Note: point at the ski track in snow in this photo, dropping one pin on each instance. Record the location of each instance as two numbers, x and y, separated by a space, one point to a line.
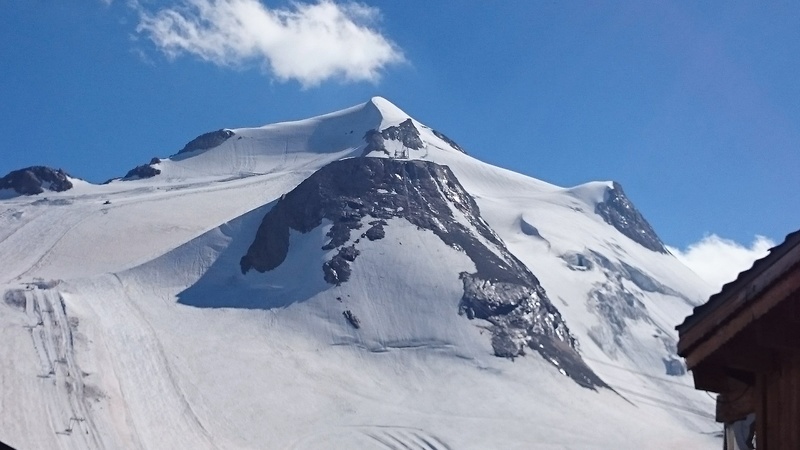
162 361
382 437
396 438
40 261
60 375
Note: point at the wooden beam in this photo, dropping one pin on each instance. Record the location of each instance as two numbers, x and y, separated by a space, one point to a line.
717 378
748 286
772 296
708 377
742 353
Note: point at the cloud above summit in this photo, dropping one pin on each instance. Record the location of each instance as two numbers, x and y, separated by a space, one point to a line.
306 42
718 260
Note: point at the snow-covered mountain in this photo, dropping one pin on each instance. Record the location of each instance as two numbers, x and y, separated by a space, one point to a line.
34 180
354 280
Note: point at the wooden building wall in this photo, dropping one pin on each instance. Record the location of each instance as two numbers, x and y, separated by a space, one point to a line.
778 406
744 344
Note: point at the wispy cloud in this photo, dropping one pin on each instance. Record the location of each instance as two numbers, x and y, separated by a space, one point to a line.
308 42
718 260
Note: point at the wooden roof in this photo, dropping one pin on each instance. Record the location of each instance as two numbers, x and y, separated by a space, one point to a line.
752 294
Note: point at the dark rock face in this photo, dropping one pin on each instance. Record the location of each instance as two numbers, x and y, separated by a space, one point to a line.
376 231
207 140
522 316
350 192
337 270
405 132
143 171
374 141
351 319
35 180
451 142
619 212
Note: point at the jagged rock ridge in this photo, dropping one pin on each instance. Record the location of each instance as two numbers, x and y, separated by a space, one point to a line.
357 192
143 171
207 140
620 213
405 133
451 142
35 180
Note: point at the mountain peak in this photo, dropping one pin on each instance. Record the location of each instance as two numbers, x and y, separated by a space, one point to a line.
388 110
618 211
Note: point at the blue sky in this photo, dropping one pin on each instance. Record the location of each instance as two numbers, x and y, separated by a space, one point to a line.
693 106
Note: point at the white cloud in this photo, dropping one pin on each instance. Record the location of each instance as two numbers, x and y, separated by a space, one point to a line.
309 43
718 260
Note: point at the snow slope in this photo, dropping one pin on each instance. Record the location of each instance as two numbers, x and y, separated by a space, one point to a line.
130 324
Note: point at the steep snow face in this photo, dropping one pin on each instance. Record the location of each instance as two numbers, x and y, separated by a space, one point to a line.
619 212
359 192
129 321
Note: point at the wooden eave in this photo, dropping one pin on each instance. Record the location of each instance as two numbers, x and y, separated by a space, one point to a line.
755 292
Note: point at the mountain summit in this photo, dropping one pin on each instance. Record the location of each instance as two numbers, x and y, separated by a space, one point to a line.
353 280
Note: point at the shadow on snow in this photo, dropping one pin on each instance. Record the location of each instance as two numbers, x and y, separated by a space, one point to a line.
223 285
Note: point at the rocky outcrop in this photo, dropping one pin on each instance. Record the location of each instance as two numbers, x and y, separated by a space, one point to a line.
35 180
374 140
143 171
619 212
405 133
207 141
351 319
359 193
449 141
